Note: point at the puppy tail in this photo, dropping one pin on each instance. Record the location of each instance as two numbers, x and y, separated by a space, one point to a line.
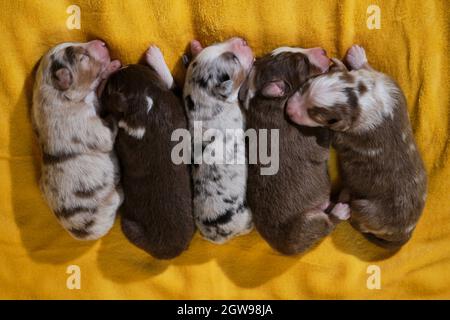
151 243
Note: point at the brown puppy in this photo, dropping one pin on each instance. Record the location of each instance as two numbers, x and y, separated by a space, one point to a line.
157 210
381 168
289 206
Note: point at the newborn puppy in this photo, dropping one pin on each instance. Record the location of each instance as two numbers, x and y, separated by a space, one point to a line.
289 206
157 210
79 171
211 98
382 171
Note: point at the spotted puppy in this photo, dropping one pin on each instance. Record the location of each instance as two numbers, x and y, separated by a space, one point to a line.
156 214
289 206
211 98
79 171
382 171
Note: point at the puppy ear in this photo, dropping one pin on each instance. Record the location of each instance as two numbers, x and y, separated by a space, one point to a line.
115 102
336 118
62 79
338 65
196 47
339 123
225 88
274 89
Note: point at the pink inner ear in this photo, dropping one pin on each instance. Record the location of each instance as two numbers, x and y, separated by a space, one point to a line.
64 78
196 47
274 89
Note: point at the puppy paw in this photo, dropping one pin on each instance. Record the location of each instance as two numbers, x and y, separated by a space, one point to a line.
154 56
155 59
341 211
356 57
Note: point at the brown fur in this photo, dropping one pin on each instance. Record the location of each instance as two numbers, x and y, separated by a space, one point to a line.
286 206
157 210
384 194
382 171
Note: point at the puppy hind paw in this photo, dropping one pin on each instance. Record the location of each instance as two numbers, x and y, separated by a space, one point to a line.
356 57
341 211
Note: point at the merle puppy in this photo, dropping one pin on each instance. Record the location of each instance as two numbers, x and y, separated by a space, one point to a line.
211 97
382 171
289 206
157 210
80 175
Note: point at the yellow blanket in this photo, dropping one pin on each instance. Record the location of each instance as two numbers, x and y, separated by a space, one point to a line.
412 45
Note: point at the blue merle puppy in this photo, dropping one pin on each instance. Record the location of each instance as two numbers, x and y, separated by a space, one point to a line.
213 80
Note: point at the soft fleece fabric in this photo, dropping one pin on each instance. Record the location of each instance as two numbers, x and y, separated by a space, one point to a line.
35 252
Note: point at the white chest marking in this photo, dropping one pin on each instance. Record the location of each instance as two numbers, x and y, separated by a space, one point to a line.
149 103
137 133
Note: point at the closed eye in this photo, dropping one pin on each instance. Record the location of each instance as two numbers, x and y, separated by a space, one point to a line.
332 121
84 55
224 77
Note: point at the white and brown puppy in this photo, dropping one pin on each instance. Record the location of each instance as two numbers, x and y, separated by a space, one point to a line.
79 170
291 209
156 214
211 98
382 171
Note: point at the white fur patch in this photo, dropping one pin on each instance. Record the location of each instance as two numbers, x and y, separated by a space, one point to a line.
90 98
287 49
418 179
328 91
404 135
411 147
149 103
410 228
370 152
155 58
137 133
424 197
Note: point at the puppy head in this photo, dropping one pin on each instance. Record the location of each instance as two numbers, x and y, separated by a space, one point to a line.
276 76
127 93
74 68
329 100
219 70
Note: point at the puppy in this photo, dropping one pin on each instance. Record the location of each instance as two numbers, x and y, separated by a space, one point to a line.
289 207
79 171
211 98
157 210
382 170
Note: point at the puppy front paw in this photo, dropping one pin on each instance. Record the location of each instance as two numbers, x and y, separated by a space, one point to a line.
341 211
356 57
154 56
